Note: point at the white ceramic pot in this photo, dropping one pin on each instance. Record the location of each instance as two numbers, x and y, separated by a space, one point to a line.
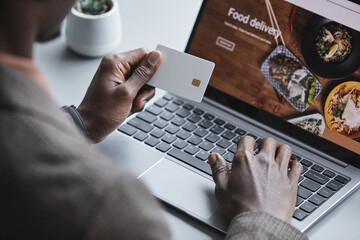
94 35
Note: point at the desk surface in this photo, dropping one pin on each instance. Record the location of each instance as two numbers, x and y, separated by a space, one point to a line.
145 24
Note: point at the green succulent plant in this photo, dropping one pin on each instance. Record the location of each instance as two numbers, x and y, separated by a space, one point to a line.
92 7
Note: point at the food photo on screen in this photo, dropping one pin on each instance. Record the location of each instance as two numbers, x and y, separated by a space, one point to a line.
288 61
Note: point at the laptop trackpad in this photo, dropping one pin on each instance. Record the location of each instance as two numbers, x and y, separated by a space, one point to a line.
182 188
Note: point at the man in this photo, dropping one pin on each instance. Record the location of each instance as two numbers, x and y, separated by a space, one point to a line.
56 186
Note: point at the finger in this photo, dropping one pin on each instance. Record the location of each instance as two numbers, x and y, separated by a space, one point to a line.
220 170
143 72
245 150
295 171
283 156
268 146
134 57
145 94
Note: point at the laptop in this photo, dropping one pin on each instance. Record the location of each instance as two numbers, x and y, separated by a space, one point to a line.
259 88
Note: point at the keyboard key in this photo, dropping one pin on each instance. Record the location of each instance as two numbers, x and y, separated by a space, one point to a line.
236 140
229 157
317 168
295 157
188 106
167 116
308 207
186 158
152 142
161 123
172 129
127 129
201 132
311 185
172 107
195 140
140 124
317 177
334 185
163 147
191 149
223 143
299 201
233 148
228 135
342 179
194 118
202 155
161 102
252 135
217 129
212 138
303 193
304 170
189 127
205 124
301 178
218 150
183 134
168 138
259 140
180 144
178 121
178 101
183 113
168 97
198 111
325 192
209 116
229 126
240 131
219 121
141 136
317 200
157 133
154 110
206 146
300 215
329 173
306 163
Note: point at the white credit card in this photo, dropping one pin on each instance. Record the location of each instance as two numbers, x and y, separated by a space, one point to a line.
182 74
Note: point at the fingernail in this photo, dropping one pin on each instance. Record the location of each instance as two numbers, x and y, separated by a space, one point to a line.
154 58
212 159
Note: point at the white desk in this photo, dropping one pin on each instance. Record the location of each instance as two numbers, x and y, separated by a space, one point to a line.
145 24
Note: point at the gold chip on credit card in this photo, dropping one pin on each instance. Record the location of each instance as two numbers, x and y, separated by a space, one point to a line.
196 82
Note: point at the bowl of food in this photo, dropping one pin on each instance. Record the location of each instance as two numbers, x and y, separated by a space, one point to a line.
313 123
342 109
330 49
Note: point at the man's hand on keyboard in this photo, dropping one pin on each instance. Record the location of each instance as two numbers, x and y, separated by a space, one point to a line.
257 183
117 89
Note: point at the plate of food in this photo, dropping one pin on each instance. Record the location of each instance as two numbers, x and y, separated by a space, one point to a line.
291 78
313 123
342 109
330 49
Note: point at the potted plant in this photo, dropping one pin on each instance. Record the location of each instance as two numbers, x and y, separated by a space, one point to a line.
93 27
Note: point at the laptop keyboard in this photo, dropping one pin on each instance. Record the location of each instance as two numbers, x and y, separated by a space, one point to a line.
190 134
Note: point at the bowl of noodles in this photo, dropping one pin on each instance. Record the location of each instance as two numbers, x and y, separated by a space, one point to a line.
342 109
330 49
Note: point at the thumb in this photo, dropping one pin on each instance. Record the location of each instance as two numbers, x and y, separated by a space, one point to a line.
220 171
144 71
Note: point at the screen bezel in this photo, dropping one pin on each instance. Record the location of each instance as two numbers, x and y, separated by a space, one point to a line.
273 121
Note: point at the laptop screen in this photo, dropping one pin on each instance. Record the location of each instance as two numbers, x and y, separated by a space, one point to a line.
288 61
